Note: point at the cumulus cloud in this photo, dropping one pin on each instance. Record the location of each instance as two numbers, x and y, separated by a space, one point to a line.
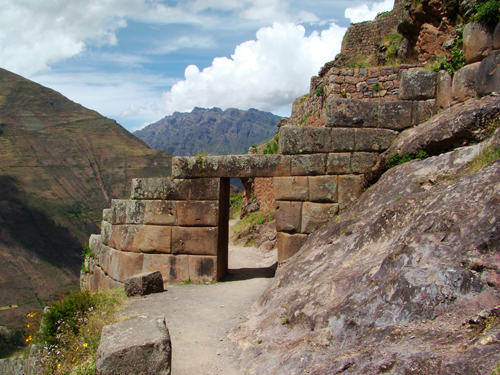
267 73
365 13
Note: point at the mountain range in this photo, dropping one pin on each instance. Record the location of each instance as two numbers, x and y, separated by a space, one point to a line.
61 165
213 131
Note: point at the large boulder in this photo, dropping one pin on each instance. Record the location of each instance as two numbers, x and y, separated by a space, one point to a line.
488 75
135 346
406 282
144 283
464 82
478 42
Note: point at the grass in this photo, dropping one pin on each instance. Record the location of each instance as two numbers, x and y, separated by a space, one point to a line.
392 41
487 156
250 220
397 159
235 201
71 331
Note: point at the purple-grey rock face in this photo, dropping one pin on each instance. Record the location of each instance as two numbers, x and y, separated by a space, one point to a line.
135 346
406 282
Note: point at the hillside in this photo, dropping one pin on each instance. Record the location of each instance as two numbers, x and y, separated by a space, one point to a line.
61 165
214 131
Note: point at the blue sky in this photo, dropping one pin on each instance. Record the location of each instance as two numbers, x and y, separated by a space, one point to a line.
137 61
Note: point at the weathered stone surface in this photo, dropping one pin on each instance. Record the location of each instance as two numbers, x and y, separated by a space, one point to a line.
246 166
202 268
192 240
198 213
363 162
122 264
187 167
423 110
374 139
342 139
173 268
144 283
144 212
488 75
399 282
106 230
464 82
417 85
315 215
289 244
443 90
294 188
160 212
350 188
304 140
323 189
99 250
110 283
141 238
338 163
496 37
477 41
345 113
175 189
395 115
135 346
106 215
127 211
308 165
455 127
288 215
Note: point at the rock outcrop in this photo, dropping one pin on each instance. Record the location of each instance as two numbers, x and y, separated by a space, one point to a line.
143 284
407 281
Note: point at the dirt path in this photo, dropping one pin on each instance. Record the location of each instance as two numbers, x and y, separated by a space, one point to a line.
200 316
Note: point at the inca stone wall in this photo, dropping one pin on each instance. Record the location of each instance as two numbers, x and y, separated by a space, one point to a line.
177 227
364 37
264 190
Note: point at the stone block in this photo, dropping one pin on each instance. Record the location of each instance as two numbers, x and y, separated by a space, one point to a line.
288 215
98 249
423 110
289 244
96 279
160 212
135 346
323 189
345 113
395 115
350 188
417 85
123 264
193 240
477 42
374 139
106 231
315 215
141 238
246 166
174 268
291 188
198 213
175 189
106 215
363 162
464 82
342 140
308 165
488 75
338 163
202 268
304 140
144 283
187 167
443 90
127 211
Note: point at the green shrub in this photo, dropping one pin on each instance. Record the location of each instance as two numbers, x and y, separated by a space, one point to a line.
377 87
235 205
86 255
320 90
397 159
391 42
487 13
488 155
343 93
456 61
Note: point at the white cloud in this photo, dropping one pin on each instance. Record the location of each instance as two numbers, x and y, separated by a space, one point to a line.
364 13
267 73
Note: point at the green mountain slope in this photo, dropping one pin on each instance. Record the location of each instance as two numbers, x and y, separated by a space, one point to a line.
214 131
60 165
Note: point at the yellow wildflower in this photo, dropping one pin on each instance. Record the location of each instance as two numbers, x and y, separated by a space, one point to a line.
85 345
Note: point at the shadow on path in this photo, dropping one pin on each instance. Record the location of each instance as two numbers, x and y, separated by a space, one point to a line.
239 274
